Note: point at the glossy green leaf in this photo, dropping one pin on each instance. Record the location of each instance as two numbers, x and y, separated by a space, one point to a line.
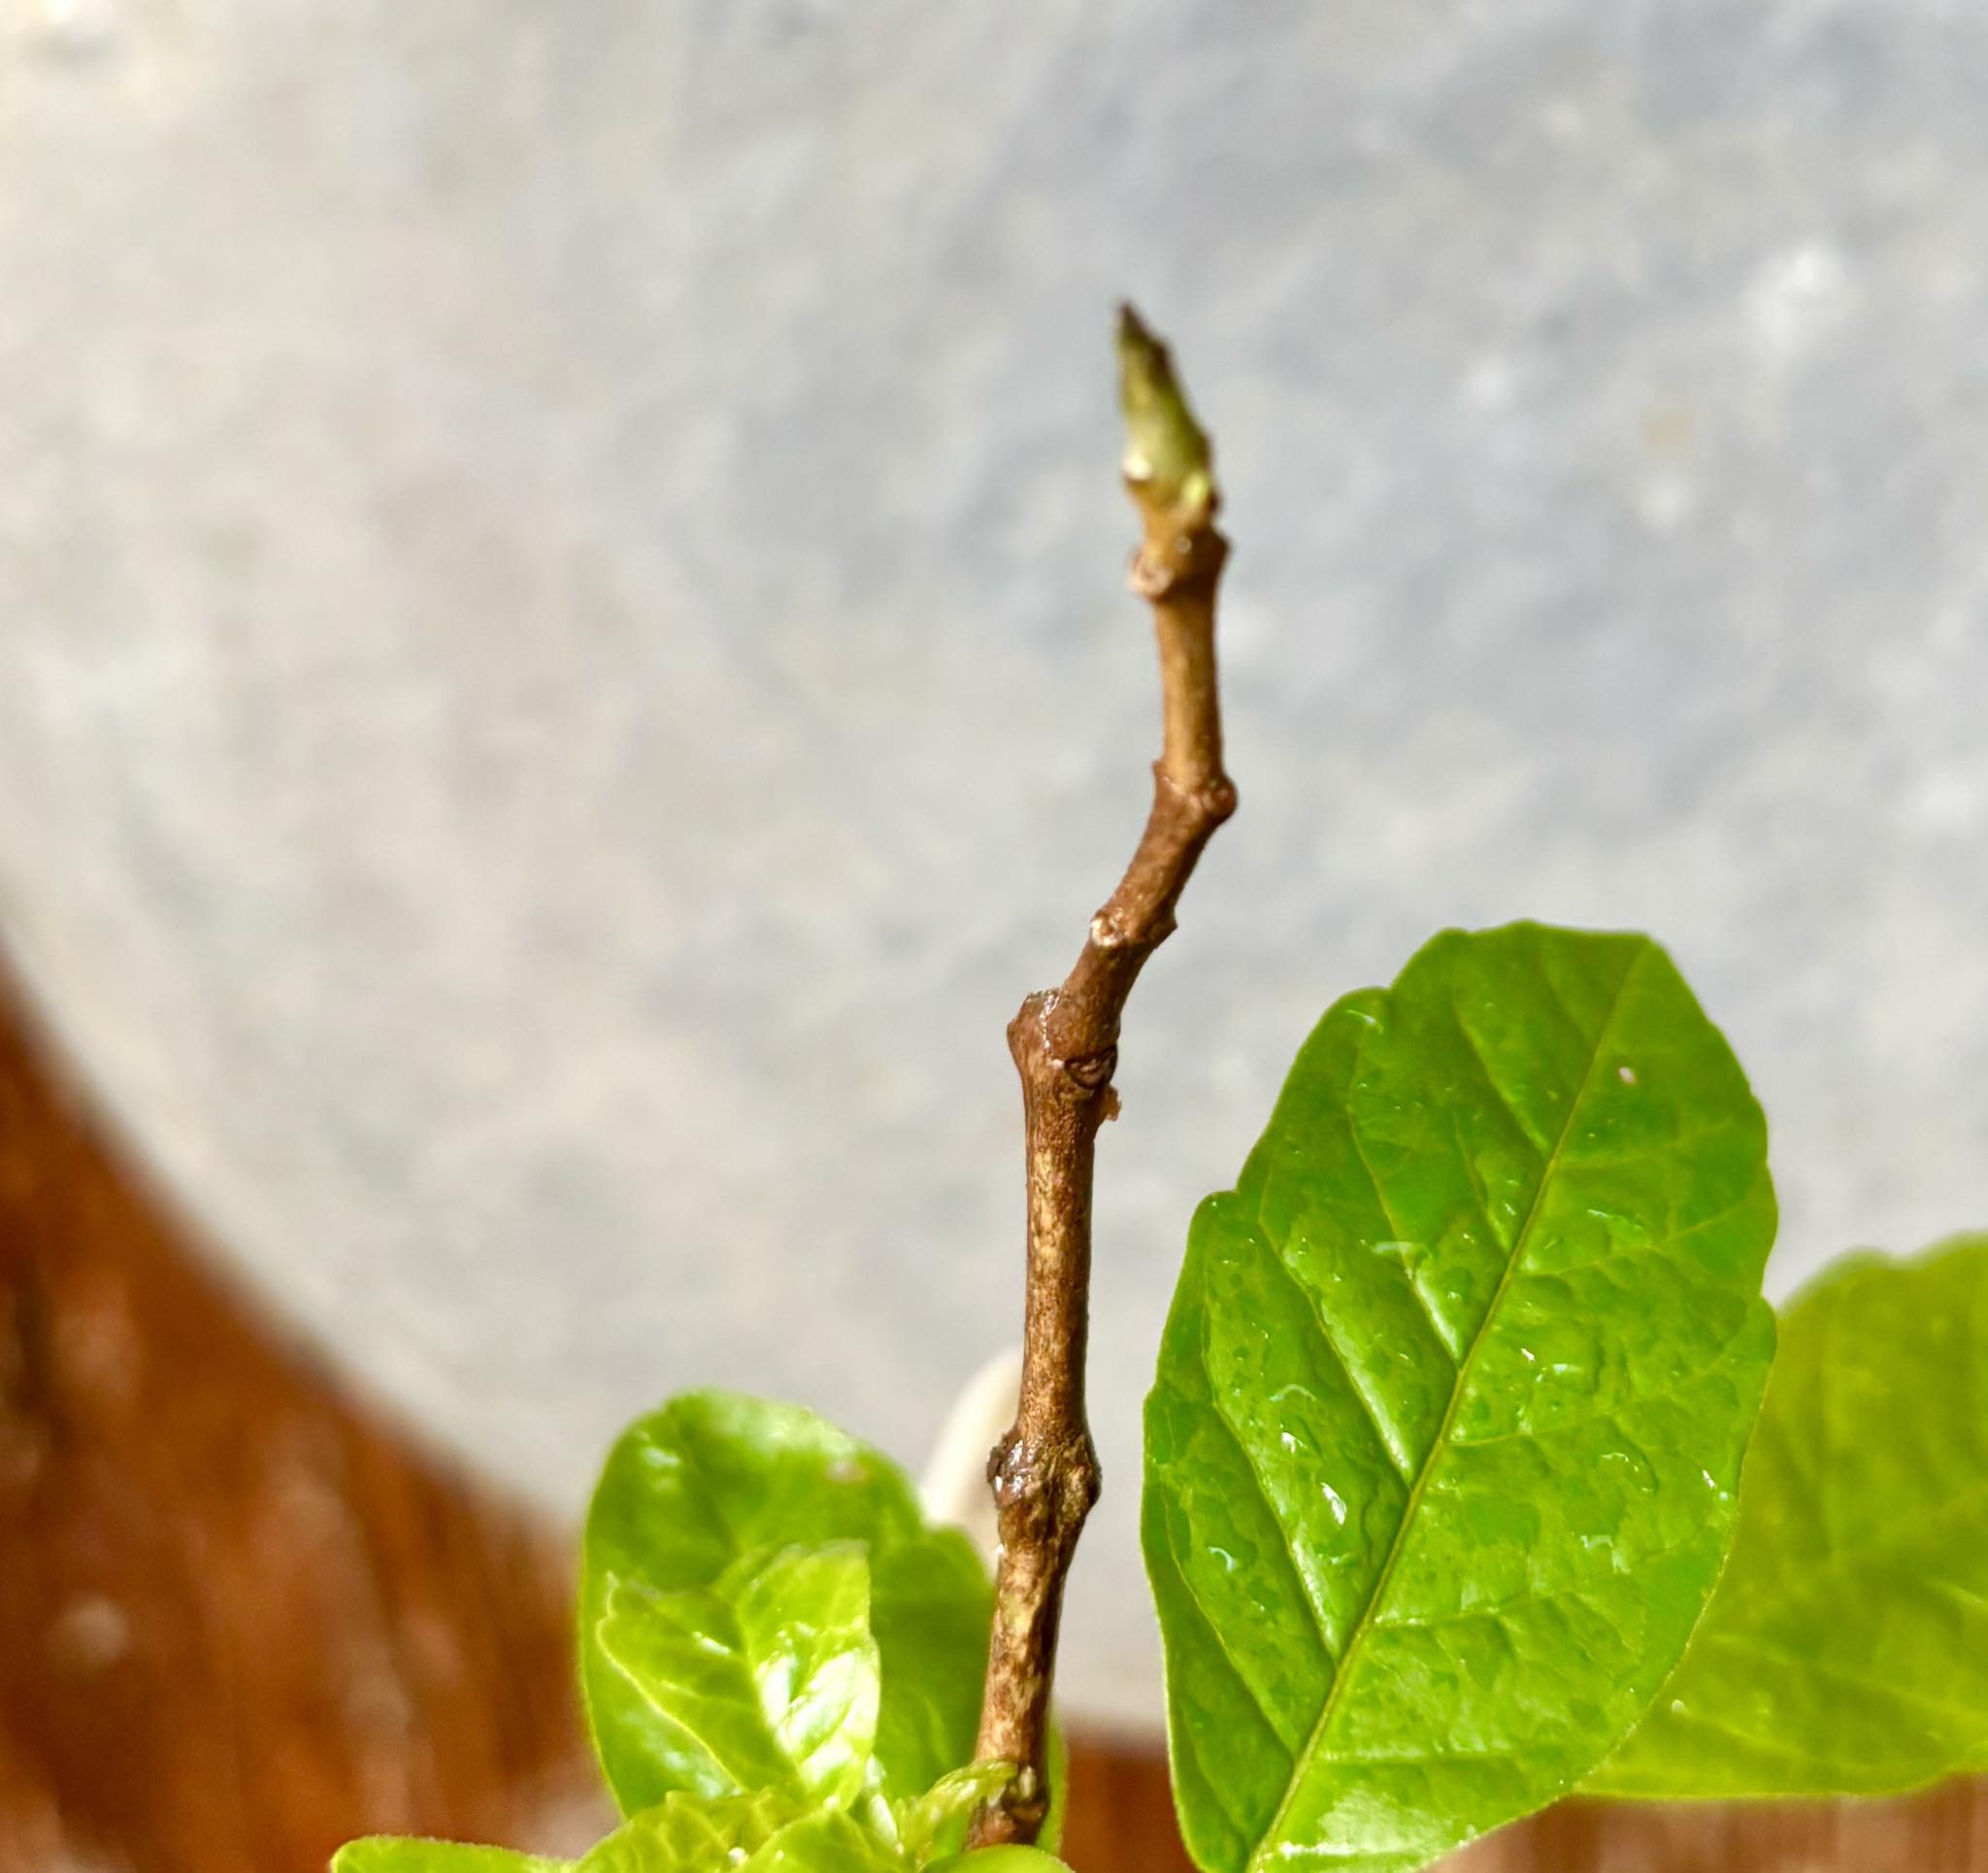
1443 1453
1846 1648
766 1680
697 1503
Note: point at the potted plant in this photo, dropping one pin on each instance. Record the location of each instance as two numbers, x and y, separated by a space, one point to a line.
1472 1473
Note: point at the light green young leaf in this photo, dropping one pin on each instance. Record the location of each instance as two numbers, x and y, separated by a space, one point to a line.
1442 1458
934 1822
681 1834
686 1834
766 1680
694 1500
402 1853
930 1605
1846 1648
1002 1859
825 1842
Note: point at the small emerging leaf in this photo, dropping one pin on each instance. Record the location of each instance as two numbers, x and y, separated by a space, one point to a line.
400 1854
1443 1453
726 1641
1002 1859
688 1835
830 1843
684 1834
1846 1648
935 1822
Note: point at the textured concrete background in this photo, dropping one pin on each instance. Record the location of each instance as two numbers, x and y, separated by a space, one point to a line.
564 666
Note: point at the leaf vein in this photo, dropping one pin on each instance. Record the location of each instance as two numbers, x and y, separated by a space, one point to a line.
1395 1451
1288 1547
1222 1651
1491 1085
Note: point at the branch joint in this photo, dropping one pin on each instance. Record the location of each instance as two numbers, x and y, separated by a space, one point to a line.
1047 1488
1207 805
1167 567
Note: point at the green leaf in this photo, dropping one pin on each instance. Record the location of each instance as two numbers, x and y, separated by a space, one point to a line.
1002 1859
695 1502
935 1822
766 1680
825 1842
399 1854
1443 1453
759 1833
930 1606
1846 1648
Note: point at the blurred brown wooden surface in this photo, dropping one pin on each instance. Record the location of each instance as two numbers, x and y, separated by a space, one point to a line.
238 1618
242 1620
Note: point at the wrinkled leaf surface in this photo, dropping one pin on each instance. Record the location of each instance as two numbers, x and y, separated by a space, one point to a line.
1443 1454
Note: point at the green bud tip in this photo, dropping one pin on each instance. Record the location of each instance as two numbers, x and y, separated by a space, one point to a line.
1167 461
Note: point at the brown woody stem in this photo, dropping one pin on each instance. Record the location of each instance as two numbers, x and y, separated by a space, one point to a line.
1065 1043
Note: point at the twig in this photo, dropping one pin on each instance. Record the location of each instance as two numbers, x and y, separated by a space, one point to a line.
1065 1043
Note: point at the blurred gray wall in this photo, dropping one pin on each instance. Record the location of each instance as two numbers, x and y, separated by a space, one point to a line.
563 664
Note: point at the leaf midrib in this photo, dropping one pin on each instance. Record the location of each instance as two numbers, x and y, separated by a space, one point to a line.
1365 1622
